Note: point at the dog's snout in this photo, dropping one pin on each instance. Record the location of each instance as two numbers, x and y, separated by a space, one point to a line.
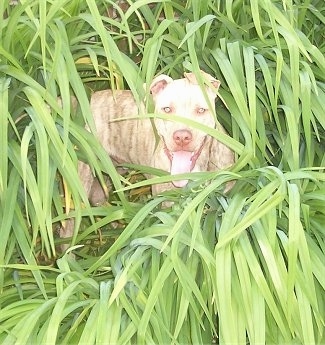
182 137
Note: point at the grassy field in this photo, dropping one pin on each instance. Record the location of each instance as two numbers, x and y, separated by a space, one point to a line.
246 267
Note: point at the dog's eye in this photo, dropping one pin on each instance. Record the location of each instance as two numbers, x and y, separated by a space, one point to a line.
167 109
201 110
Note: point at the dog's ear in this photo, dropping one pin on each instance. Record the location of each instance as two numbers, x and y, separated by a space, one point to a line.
206 77
159 83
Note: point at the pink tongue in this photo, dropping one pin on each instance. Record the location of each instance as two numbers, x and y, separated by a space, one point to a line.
181 163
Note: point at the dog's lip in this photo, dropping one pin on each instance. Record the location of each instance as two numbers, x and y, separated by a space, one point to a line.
187 160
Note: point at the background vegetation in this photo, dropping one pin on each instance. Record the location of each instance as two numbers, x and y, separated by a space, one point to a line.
247 267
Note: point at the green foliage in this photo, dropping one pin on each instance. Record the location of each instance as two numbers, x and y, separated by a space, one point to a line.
243 267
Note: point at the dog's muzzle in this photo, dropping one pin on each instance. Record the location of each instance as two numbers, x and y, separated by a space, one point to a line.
182 161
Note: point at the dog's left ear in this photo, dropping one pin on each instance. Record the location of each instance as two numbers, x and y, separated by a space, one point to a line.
159 83
206 77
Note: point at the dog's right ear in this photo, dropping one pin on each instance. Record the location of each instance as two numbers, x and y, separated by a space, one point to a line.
159 83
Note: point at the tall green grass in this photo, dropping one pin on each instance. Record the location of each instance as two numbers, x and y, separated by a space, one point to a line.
245 267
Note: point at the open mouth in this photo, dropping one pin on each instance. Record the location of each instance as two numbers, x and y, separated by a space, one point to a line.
182 161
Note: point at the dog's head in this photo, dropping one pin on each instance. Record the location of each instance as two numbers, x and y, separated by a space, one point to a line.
183 97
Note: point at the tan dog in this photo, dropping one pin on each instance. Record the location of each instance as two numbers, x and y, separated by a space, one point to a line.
181 149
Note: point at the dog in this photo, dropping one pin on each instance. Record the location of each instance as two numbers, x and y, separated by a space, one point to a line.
181 149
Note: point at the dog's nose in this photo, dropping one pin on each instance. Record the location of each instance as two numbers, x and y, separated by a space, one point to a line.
182 137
